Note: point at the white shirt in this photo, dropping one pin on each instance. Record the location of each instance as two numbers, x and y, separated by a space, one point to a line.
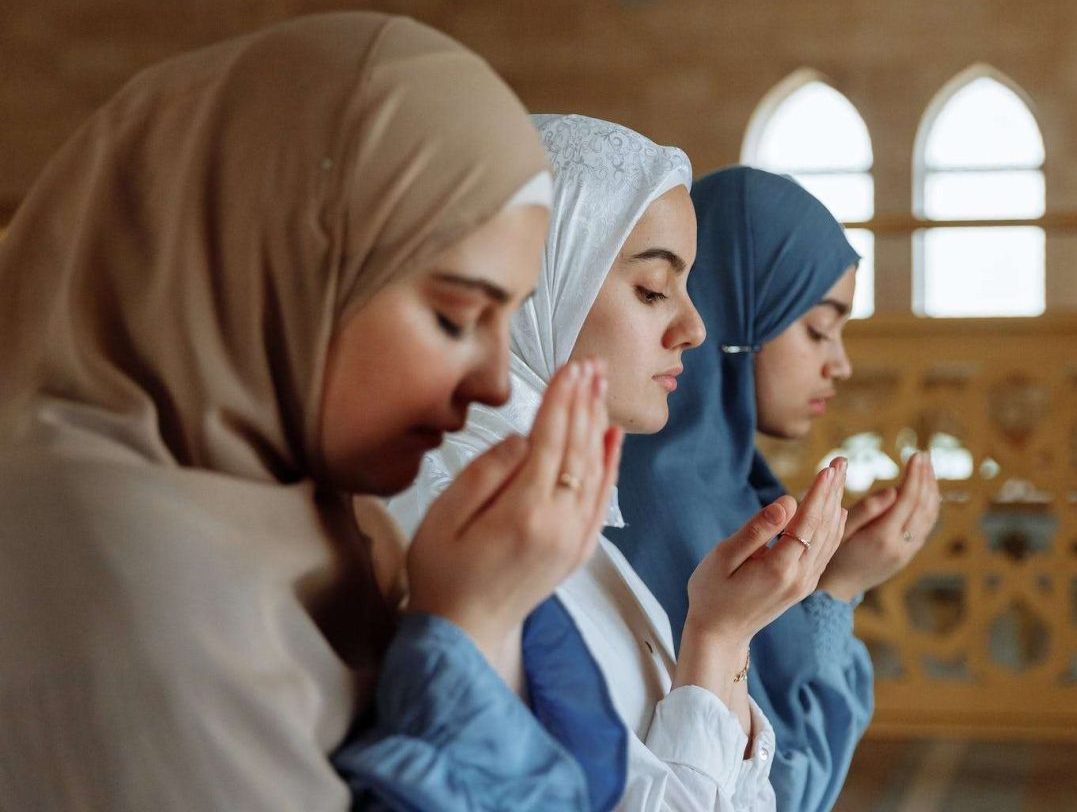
686 747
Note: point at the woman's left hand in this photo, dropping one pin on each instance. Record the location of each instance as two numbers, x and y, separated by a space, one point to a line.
884 532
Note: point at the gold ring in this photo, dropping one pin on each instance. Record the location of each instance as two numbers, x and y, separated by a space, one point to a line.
567 480
807 544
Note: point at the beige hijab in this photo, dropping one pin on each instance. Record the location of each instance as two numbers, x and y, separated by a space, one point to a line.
188 621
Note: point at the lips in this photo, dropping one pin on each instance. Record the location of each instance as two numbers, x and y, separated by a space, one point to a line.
428 437
817 406
433 435
668 379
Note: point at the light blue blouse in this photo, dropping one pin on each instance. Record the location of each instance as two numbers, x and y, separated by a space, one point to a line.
813 680
449 734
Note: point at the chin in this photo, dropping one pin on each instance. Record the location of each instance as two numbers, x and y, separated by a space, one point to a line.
651 421
388 475
792 430
788 429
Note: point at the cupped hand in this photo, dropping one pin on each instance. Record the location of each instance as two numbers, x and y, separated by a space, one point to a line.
743 584
884 532
521 517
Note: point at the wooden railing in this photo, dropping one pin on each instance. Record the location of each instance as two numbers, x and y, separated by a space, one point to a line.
978 636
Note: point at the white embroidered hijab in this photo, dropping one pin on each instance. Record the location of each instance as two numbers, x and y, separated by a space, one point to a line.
605 177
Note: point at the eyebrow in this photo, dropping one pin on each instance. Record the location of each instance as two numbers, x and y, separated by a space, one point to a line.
663 254
841 308
498 294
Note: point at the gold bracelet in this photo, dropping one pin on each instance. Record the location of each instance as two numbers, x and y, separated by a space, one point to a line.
743 675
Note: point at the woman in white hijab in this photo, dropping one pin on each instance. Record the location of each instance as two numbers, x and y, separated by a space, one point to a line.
613 285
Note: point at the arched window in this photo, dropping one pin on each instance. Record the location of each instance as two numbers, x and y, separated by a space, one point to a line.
807 129
978 172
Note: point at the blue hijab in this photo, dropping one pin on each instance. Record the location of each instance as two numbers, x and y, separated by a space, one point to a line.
767 253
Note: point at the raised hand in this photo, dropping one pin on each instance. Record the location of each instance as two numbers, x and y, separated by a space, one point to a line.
884 532
743 584
521 517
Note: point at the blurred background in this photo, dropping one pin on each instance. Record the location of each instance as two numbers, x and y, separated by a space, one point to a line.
944 135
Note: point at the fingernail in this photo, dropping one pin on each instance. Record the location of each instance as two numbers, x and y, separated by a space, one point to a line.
773 514
588 369
573 370
603 386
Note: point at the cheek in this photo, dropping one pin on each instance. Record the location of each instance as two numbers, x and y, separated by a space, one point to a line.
607 337
617 332
637 402
381 387
409 381
775 382
785 380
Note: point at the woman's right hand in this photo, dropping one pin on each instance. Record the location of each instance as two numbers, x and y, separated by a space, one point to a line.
743 585
884 532
521 517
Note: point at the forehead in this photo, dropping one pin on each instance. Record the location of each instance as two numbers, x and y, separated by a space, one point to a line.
668 222
844 288
504 251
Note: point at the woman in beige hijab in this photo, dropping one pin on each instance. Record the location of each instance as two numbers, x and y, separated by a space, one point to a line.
264 276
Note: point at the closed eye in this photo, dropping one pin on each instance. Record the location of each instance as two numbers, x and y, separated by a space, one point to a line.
450 327
648 296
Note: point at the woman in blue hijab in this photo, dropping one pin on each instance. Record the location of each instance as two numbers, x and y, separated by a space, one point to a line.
773 268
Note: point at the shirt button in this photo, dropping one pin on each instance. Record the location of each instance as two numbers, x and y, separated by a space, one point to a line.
764 754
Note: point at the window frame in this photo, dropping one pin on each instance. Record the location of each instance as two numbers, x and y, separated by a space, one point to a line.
921 224
761 119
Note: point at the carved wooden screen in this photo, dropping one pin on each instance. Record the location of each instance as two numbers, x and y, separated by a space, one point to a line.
978 636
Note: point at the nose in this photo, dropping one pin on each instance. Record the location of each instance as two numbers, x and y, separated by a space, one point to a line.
838 366
687 329
487 381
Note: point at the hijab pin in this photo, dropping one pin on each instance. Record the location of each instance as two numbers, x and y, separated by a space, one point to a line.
736 349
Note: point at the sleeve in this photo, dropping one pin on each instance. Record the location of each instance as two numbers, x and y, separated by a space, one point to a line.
450 735
813 679
693 759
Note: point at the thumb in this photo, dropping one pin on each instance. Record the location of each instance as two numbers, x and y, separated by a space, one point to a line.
759 529
869 509
480 482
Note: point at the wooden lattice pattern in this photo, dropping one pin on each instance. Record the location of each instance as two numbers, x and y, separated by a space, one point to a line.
978 636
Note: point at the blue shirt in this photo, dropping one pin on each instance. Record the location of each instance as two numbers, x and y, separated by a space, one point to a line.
449 734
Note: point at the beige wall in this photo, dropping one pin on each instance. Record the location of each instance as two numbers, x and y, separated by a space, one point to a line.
688 72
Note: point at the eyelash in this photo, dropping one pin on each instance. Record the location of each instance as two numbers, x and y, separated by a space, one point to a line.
648 296
816 335
449 327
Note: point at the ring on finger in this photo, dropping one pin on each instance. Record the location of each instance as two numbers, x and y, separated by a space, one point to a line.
806 543
905 534
570 481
